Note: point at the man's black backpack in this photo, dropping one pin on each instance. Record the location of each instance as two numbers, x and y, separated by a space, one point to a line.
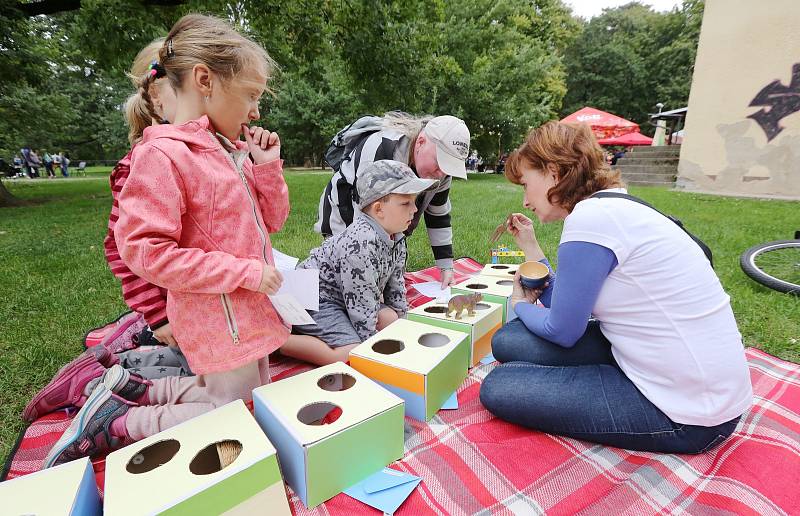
347 139
703 247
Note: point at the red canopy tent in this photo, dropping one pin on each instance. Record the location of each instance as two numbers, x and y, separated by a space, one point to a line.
604 125
627 139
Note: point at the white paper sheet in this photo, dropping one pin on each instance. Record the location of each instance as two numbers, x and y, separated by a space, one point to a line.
303 286
284 262
290 310
434 289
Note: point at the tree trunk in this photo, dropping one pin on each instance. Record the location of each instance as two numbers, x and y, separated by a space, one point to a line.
7 199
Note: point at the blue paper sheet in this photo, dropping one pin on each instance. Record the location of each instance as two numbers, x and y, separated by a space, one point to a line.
488 359
385 490
451 403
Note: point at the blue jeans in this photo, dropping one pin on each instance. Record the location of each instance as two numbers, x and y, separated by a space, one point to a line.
581 392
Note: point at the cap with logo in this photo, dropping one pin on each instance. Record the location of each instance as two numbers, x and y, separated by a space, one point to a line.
384 177
451 136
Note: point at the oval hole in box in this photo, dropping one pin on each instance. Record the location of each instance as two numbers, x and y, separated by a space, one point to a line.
335 382
388 347
215 457
319 413
499 267
505 282
153 456
482 306
512 272
433 340
477 286
436 309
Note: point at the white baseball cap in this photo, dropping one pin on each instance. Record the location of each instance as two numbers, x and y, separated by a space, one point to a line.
451 136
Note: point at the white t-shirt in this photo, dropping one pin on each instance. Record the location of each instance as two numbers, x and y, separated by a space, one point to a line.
670 323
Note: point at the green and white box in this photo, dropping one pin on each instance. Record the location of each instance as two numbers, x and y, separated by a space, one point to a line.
183 470
333 427
480 327
66 489
501 270
421 363
493 288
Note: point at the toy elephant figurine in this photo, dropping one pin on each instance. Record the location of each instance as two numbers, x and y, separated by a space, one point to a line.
457 304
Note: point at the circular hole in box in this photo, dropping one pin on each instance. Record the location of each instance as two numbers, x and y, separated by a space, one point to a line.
505 282
500 267
482 306
215 457
477 286
153 456
319 413
436 309
335 382
388 347
433 340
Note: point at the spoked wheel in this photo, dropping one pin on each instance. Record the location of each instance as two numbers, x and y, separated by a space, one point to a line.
775 265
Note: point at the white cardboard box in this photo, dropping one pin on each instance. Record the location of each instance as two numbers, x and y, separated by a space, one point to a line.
177 471
66 489
421 363
332 426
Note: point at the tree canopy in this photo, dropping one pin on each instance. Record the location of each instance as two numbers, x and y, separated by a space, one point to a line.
504 66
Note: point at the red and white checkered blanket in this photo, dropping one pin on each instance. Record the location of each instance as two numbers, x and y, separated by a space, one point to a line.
470 461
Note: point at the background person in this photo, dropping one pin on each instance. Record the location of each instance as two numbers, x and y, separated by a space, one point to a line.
434 148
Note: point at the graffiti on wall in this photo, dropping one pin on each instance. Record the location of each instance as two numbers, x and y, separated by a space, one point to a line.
779 101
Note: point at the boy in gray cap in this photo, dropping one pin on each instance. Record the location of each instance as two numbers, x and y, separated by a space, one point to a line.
361 284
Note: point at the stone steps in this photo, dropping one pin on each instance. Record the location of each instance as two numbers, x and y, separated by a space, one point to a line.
649 161
650 166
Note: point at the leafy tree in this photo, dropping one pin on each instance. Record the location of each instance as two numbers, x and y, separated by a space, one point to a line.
629 58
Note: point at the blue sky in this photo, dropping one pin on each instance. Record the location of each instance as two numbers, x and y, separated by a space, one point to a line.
589 8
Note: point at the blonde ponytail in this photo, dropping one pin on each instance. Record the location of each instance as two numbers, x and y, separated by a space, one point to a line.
139 112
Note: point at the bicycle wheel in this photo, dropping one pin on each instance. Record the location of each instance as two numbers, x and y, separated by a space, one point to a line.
774 264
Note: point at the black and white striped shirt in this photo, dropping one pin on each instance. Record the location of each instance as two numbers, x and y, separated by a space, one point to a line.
337 207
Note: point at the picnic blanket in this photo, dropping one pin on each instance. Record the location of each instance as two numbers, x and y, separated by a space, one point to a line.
471 462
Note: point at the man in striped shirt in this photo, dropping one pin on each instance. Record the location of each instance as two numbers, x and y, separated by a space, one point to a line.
434 148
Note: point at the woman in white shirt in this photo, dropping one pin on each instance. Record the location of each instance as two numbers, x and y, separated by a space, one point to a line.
636 345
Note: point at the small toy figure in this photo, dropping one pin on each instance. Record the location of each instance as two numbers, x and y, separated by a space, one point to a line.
457 304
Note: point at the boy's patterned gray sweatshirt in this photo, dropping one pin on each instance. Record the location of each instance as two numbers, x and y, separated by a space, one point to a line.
357 268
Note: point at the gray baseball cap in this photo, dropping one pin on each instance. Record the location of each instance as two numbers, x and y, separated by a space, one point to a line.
384 177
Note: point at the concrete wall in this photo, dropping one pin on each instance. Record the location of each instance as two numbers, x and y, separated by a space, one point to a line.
743 126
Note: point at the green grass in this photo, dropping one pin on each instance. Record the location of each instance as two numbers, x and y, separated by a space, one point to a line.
56 285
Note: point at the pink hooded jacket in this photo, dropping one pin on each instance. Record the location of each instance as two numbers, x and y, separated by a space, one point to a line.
195 220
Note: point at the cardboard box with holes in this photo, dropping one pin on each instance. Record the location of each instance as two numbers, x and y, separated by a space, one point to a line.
422 364
217 463
332 426
476 317
500 270
493 288
67 489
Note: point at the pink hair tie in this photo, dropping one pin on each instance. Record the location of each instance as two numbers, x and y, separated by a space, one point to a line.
153 73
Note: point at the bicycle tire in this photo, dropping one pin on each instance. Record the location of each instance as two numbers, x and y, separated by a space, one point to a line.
748 263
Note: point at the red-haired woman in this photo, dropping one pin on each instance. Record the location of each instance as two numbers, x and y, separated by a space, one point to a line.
636 345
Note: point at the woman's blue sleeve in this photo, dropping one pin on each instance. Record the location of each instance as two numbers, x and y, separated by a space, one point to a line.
582 269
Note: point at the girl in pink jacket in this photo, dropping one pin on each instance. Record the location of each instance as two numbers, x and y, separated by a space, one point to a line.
194 218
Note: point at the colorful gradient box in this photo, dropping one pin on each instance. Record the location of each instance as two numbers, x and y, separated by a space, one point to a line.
333 427
217 463
501 270
421 363
66 489
494 289
480 327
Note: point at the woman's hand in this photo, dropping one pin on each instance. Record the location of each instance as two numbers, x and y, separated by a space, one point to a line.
264 146
521 294
521 228
271 280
